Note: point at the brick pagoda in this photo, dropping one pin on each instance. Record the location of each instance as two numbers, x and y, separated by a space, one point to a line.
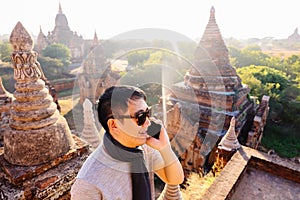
41 157
96 74
211 93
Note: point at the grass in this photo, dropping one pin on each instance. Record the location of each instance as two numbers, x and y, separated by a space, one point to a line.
197 186
66 105
72 110
284 140
75 117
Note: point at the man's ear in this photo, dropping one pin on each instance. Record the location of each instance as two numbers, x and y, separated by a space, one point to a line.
112 125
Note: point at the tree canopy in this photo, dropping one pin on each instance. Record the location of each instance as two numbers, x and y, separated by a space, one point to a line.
58 51
277 78
5 51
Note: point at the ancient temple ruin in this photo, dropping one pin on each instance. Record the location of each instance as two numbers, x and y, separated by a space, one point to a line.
96 74
260 119
210 95
63 34
295 37
41 157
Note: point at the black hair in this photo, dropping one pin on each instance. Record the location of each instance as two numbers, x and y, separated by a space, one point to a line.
114 101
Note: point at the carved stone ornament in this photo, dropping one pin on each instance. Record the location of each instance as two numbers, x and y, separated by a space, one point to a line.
25 64
37 132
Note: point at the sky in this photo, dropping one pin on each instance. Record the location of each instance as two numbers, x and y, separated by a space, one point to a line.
241 19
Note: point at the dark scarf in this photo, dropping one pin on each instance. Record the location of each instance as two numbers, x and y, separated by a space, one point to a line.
139 174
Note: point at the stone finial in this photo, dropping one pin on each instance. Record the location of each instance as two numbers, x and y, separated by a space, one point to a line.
95 37
37 132
87 104
20 39
60 9
229 141
90 133
212 14
24 60
296 31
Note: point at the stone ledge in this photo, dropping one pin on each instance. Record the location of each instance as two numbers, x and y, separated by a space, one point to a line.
227 181
51 182
18 174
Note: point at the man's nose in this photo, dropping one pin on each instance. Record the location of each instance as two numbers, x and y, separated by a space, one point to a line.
147 122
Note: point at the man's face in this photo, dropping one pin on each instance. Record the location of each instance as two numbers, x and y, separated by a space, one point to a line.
132 134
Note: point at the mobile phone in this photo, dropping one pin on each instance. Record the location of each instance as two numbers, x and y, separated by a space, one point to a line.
154 130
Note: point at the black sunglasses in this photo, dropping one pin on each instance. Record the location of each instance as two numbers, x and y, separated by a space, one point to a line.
140 116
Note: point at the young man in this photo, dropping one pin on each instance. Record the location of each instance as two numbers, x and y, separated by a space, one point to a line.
122 167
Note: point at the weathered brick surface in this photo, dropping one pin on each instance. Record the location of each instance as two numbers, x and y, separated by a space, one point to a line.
46 181
17 174
256 184
229 180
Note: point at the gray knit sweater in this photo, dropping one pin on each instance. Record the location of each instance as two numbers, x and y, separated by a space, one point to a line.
102 177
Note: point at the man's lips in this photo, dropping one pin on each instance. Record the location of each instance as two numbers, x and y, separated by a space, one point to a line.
143 133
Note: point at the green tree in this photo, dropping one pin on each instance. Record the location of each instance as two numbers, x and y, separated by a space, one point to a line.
285 95
292 64
278 77
251 55
58 51
155 57
264 80
254 47
138 57
5 51
51 67
147 78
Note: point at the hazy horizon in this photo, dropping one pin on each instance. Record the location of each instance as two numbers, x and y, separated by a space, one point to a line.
237 19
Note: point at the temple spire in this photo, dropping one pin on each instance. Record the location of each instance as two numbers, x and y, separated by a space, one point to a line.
41 35
229 141
212 28
295 36
41 41
60 9
212 18
95 42
212 46
95 36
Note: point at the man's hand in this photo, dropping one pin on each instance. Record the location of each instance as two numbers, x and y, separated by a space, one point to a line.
172 173
163 140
